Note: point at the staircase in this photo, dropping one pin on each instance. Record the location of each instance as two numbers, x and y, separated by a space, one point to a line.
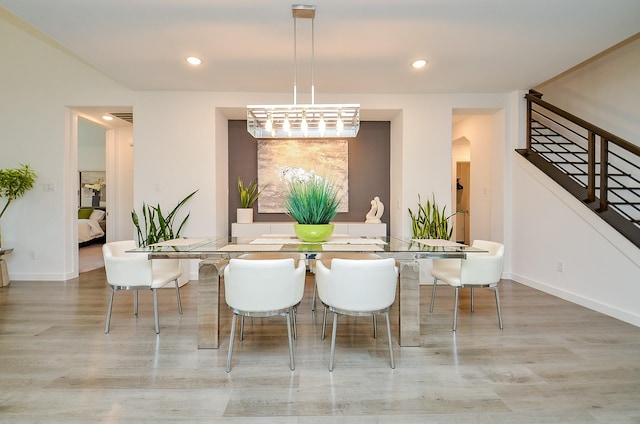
595 166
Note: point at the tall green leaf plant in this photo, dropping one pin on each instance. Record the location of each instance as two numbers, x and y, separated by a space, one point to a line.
158 226
311 201
248 193
430 221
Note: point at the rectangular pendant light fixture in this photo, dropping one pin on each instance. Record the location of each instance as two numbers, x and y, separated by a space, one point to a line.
301 121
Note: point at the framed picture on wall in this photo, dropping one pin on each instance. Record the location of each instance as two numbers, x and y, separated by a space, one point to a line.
279 158
93 189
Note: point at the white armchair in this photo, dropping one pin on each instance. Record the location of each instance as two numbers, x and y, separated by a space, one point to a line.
357 287
477 270
134 271
261 288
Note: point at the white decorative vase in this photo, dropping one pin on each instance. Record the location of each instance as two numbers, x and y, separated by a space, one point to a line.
244 215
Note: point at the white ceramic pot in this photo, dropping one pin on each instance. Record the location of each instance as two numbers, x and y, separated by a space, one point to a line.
244 216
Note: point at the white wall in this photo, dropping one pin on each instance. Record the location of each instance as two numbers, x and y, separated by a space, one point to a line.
120 198
604 92
91 146
601 268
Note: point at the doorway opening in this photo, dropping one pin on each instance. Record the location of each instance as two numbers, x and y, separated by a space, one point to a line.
477 169
461 166
102 181
463 187
92 194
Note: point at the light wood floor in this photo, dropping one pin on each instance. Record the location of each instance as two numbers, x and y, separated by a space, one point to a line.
554 362
90 258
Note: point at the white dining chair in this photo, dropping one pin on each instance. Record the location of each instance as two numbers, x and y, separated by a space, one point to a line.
326 257
134 271
357 287
479 269
262 288
274 255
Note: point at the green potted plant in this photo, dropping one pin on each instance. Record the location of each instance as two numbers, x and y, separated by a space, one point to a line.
313 202
14 183
248 196
430 221
157 225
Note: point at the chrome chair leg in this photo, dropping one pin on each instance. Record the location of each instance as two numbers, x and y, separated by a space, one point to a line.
498 306
455 309
294 312
231 337
433 293
106 327
292 363
313 296
242 328
333 340
472 300
393 363
178 297
155 310
324 323
135 302
375 326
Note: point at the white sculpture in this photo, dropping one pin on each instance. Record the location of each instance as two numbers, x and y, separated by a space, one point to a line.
376 211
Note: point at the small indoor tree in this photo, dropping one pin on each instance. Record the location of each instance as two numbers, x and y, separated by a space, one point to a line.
14 183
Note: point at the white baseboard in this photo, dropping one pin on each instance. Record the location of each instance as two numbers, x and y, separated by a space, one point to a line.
578 299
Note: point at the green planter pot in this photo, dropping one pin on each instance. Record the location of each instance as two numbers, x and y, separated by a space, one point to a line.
313 233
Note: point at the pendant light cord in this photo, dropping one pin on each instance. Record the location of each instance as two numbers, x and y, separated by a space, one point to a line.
295 61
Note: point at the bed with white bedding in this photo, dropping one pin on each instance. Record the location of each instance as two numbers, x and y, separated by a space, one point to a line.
91 225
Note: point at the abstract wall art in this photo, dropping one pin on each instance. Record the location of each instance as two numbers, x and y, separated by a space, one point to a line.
279 159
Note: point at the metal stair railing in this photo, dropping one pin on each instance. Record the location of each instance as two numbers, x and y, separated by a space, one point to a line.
597 167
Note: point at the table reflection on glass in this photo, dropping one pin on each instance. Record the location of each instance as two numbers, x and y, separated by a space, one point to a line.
215 252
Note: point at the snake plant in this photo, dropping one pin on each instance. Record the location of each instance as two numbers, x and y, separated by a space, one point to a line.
158 226
249 193
429 221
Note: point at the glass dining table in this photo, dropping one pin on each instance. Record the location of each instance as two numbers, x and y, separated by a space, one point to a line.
214 254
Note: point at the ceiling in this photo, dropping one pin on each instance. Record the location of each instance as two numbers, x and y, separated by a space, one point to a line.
361 46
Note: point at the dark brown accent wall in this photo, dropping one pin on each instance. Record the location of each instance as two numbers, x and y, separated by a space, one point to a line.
368 171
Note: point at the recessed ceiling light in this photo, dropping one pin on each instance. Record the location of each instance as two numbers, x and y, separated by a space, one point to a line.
419 64
107 117
194 60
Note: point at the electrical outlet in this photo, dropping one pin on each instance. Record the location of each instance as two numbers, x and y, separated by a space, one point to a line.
32 255
560 266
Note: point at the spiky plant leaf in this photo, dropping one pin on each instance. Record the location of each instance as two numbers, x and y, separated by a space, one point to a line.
248 194
430 221
158 226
